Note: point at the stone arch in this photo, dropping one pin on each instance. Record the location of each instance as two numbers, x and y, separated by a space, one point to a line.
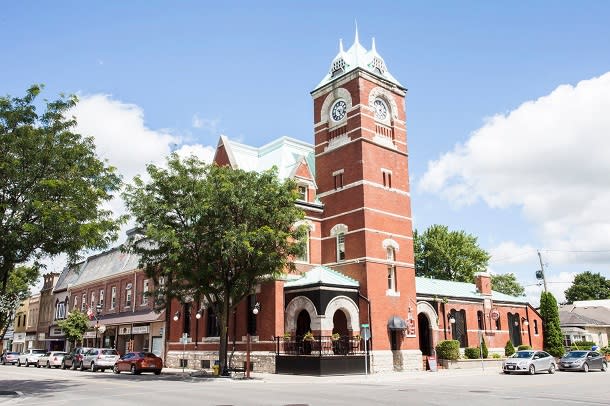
338 229
310 224
349 307
292 312
336 94
388 242
428 310
385 96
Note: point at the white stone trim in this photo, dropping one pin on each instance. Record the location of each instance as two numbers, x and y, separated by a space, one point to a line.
388 242
369 209
334 95
294 308
372 230
338 229
379 92
338 172
310 224
349 308
427 309
367 183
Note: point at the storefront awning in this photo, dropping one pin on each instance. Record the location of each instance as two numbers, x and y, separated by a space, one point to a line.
396 323
131 318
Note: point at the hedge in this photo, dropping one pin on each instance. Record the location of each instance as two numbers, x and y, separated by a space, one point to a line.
524 347
509 349
472 353
448 349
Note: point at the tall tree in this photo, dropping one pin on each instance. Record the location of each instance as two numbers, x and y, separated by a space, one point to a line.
553 340
449 255
17 290
507 283
588 286
52 185
213 232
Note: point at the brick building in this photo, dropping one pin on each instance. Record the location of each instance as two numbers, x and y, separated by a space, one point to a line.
359 266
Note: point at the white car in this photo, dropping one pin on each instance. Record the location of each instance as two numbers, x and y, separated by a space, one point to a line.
99 358
51 359
30 357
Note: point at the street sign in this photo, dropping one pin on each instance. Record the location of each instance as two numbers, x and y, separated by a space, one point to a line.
366 333
364 325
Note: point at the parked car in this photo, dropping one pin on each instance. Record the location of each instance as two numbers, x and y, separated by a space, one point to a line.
529 361
138 362
51 359
9 357
30 357
74 358
583 361
99 358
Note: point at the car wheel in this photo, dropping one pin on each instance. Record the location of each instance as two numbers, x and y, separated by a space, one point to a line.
604 366
116 369
18 362
133 370
3 362
93 368
585 367
82 366
103 369
27 363
532 370
158 372
48 365
73 366
552 369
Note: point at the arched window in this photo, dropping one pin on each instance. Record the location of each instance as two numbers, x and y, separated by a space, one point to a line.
340 247
391 258
480 320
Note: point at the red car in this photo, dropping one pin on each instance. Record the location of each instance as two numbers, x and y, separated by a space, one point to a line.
138 362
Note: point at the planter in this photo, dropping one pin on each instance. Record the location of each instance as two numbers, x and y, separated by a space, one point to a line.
470 363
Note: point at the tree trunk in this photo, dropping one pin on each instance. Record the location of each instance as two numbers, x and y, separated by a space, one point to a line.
224 336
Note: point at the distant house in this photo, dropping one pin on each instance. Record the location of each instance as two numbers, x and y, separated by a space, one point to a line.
585 321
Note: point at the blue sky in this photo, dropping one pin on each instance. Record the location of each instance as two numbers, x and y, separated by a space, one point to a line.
507 104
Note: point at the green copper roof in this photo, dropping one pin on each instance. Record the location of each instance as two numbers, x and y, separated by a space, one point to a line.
440 288
321 275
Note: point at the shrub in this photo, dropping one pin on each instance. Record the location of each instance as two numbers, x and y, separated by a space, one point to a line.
485 350
448 349
524 347
495 355
509 349
472 353
583 345
605 350
553 338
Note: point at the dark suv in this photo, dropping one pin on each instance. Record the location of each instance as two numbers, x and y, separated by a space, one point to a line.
74 358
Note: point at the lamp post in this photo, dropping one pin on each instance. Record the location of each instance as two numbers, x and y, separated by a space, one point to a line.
95 314
255 310
198 317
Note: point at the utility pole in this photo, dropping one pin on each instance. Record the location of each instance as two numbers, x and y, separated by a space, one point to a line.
542 270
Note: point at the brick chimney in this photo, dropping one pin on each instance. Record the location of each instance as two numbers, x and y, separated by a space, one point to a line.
483 282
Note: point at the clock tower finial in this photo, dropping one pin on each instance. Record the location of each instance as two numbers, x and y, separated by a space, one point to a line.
356 39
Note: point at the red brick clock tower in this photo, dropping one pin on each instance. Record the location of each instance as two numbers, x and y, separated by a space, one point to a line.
363 182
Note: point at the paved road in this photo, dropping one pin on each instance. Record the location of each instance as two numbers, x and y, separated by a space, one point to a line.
465 387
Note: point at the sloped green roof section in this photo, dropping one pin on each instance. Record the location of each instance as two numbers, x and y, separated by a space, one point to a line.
321 275
440 288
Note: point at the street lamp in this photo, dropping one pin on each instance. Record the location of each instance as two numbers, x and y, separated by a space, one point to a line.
98 310
197 316
177 315
255 310
524 321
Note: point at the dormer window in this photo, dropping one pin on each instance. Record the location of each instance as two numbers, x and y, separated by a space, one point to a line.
337 68
377 66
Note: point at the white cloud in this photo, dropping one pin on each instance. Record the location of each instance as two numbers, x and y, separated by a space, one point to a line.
509 252
208 124
204 153
548 156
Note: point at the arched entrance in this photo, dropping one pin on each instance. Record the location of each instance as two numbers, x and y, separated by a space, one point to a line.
425 338
340 323
303 323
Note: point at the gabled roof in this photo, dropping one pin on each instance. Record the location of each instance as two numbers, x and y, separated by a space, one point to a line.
286 153
596 315
106 264
567 318
440 288
357 57
321 275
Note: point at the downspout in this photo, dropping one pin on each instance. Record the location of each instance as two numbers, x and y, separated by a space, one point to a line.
527 318
444 321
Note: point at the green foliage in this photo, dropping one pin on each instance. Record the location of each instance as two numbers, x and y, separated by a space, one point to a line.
507 284
509 349
553 339
74 326
582 345
52 185
17 289
472 353
448 349
449 255
485 350
605 350
524 347
214 232
588 286
495 355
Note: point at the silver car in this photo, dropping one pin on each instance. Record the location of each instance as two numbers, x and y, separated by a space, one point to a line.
51 359
99 358
583 361
529 361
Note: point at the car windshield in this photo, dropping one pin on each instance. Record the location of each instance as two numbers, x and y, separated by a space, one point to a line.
39 352
576 354
12 353
523 354
59 353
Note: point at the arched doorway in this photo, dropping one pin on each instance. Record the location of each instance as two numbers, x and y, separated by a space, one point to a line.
303 323
340 323
425 338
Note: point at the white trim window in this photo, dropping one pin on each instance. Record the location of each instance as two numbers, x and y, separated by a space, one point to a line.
302 191
75 302
304 257
113 298
92 300
145 292
83 304
128 298
102 297
340 247
391 258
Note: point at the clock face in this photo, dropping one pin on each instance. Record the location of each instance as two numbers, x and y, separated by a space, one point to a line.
381 110
339 110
